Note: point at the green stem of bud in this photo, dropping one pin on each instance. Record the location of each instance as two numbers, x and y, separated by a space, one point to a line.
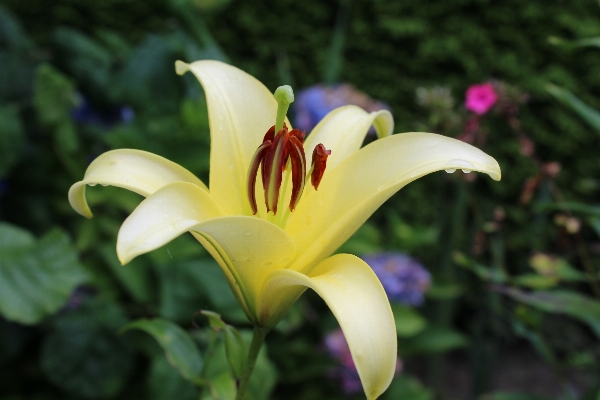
284 96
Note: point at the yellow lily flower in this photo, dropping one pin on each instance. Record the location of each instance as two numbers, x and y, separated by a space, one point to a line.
269 260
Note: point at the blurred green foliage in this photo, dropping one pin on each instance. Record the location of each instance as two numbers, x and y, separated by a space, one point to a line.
82 77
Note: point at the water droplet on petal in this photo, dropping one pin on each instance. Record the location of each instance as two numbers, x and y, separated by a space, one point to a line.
450 170
104 185
457 163
92 184
466 171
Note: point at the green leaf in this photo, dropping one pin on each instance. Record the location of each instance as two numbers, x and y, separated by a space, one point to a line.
366 240
551 270
180 350
11 31
215 321
186 287
135 276
578 306
147 79
535 281
54 96
408 321
587 113
444 291
235 345
263 378
85 59
485 273
236 349
222 387
83 354
434 339
410 236
36 277
11 138
166 383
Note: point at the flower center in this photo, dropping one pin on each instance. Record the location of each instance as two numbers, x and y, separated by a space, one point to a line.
282 151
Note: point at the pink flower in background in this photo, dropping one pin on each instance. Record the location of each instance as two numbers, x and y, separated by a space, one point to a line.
480 98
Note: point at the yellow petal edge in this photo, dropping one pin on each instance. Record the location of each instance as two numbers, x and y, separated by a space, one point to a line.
135 170
352 191
355 296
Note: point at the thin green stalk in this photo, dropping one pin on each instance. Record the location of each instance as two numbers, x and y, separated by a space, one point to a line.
258 338
454 231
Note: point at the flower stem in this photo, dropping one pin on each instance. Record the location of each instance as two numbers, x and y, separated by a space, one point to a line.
258 338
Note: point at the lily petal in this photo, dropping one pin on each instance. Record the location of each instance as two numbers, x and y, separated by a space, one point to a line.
249 248
355 296
163 216
344 129
351 192
241 110
135 170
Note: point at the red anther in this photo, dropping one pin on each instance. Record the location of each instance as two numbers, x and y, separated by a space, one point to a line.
319 163
272 157
270 135
298 161
299 134
253 170
274 164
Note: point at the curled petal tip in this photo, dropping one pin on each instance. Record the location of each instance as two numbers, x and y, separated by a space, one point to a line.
123 255
181 67
123 261
495 173
383 122
78 201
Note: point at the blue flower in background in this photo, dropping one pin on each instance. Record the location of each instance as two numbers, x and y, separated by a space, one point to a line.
86 113
404 279
313 103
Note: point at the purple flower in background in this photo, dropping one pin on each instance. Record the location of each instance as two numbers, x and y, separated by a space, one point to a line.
337 347
313 103
404 279
480 98
86 113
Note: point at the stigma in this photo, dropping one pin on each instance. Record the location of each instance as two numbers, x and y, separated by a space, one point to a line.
282 152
